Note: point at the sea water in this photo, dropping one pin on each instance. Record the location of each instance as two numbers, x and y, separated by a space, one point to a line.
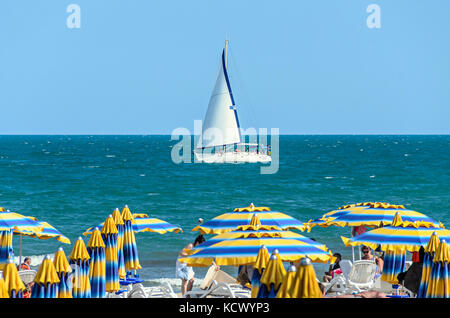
75 182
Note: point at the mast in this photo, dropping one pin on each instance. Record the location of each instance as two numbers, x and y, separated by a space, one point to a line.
226 54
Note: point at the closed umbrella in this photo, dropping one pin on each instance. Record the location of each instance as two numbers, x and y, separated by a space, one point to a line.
242 216
272 278
260 264
6 247
79 260
305 283
63 270
12 280
109 235
287 283
3 287
439 281
117 217
97 266
130 252
46 280
428 257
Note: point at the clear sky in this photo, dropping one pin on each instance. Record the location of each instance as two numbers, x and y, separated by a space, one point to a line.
147 67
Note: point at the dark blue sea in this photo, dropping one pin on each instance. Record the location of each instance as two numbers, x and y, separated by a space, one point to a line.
74 182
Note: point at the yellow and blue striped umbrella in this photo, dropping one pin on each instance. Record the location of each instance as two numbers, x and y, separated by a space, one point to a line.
305 283
397 238
80 259
144 223
439 281
288 281
394 264
46 281
260 264
130 252
272 278
97 265
242 216
12 280
15 221
3 287
48 232
63 270
109 235
372 214
6 247
428 257
117 217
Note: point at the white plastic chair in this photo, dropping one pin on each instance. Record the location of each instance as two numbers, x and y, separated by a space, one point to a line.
361 276
27 276
338 283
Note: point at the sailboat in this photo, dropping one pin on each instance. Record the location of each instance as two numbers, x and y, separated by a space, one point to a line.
221 140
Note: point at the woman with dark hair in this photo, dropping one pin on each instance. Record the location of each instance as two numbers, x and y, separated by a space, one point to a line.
184 272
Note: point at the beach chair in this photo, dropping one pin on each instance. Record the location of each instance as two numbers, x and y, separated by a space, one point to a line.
361 276
338 283
165 290
27 276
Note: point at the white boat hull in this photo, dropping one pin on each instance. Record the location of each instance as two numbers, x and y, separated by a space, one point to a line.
232 157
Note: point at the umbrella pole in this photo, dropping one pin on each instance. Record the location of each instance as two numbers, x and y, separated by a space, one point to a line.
353 248
20 258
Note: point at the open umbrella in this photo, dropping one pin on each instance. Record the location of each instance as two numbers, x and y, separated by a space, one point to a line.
260 264
12 280
288 281
48 232
439 281
109 235
242 216
130 252
428 257
272 278
305 283
144 223
97 267
397 238
6 247
394 264
79 259
63 270
46 280
3 287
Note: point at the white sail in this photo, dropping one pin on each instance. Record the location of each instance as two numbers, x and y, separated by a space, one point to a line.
221 124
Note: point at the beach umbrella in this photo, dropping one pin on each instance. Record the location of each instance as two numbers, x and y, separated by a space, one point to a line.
439 281
144 223
372 214
130 252
6 247
3 287
109 235
272 278
63 270
394 264
397 238
244 247
12 280
97 266
117 217
428 257
79 260
48 232
305 282
46 281
242 216
260 264
287 283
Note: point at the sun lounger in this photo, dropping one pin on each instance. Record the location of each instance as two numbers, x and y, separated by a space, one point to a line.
338 283
361 276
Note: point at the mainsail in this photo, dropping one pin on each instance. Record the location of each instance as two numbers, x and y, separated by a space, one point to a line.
221 124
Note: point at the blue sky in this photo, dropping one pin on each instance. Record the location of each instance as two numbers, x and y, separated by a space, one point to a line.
147 67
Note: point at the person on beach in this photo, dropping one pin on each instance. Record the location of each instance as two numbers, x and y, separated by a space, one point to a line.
334 268
184 272
26 265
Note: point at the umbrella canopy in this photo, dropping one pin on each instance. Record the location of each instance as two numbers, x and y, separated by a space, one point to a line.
372 214
305 283
97 266
130 252
12 280
6 247
397 238
48 231
242 216
243 249
288 281
117 217
439 281
428 257
272 278
46 280
260 264
109 235
79 258
15 221
394 264
63 270
3 287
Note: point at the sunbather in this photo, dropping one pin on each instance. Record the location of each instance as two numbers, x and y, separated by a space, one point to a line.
184 272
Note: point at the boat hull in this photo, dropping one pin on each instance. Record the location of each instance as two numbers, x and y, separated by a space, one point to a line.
232 157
